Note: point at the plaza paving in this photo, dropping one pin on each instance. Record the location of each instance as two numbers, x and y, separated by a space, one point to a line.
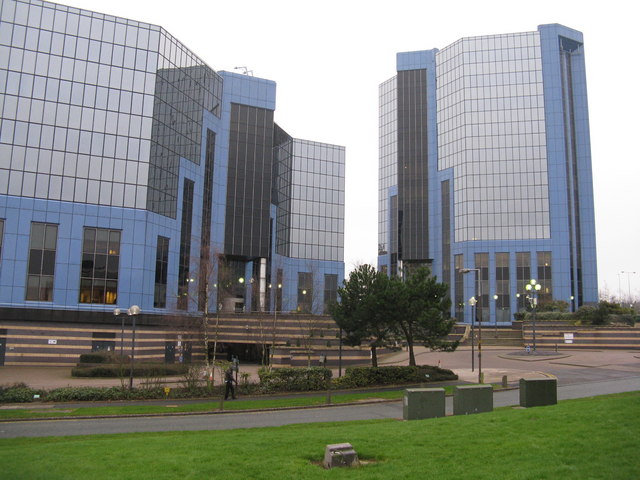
569 366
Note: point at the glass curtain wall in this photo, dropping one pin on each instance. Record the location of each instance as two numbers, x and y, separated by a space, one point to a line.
97 109
388 155
492 133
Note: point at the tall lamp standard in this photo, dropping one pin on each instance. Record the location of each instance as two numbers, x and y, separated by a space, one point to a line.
629 285
274 330
533 288
495 323
472 302
117 312
133 311
479 290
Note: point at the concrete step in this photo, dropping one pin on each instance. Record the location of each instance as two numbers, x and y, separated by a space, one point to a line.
501 342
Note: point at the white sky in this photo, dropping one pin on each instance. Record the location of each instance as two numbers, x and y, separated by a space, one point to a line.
329 57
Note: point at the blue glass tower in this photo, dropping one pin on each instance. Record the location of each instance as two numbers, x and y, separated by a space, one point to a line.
133 173
485 163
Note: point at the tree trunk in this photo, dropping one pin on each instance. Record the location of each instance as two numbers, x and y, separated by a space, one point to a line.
374 356
412 357
408 335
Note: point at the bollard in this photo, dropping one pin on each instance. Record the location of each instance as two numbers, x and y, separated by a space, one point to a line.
505 383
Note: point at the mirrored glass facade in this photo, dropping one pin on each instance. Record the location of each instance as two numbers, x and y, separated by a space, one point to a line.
388 154
153 170
97 109
485 164
311 183
491 131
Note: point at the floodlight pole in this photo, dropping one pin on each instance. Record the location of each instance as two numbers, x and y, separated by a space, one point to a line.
479 290
533 287
133 311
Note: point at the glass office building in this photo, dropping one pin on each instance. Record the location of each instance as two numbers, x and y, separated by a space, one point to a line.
485 164
128 166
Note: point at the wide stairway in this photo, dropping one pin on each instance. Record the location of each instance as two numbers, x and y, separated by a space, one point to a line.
496 336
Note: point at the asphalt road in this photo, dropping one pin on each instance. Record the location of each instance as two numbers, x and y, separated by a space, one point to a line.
226 421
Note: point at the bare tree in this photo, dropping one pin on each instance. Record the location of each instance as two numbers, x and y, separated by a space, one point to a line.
277 306
205 296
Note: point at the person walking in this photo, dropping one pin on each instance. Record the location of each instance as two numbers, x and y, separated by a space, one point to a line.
228 382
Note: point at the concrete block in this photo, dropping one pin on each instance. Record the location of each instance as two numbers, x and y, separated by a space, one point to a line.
469 399
538 392
340 455
422 403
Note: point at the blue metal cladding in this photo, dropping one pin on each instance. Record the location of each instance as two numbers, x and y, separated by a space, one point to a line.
572 226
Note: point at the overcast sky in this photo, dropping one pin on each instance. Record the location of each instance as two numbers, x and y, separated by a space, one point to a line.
329 57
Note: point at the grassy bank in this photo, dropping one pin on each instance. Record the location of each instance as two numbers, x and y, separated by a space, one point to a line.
206 406
592 438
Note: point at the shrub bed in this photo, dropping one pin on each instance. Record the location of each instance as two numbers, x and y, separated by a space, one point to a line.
18 393
100 394
101 357
276 380
117 370
294 379
356 377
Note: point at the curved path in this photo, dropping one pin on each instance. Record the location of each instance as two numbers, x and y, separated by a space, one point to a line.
226 421
580 374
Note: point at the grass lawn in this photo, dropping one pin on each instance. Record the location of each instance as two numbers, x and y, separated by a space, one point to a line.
253 404
592 438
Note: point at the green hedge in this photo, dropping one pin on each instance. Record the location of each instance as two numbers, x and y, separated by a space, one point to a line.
102 357
18 393
625 319
100 394
545 316
356 377
140 370
294 379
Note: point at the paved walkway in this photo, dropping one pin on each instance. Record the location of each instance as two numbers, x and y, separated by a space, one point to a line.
213 421
568 366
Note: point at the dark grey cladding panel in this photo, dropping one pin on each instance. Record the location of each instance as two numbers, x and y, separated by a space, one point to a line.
412 164
249 182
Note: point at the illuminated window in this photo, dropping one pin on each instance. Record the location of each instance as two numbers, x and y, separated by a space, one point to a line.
544 277
100 266
330 290
305 292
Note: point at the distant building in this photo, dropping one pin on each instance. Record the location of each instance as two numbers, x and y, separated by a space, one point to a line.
131 173
485 163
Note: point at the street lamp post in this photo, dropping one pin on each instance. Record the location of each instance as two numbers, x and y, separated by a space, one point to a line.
275 322
472 302
340 355
533 288
479 290
495 323
629 285
117 312
133 311
573 306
